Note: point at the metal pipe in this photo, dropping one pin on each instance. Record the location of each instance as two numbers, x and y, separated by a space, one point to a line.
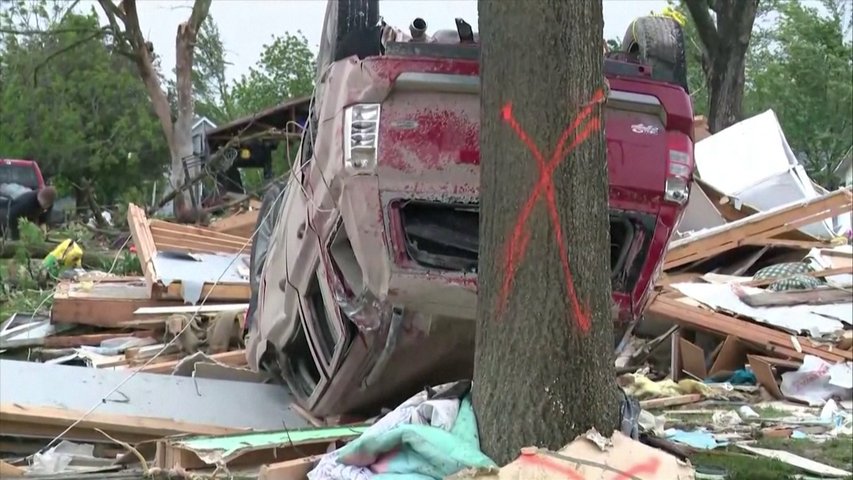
418 29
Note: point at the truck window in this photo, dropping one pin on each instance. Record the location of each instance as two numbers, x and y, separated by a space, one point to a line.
20 174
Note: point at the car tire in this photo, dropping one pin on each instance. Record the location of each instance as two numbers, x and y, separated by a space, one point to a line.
658 42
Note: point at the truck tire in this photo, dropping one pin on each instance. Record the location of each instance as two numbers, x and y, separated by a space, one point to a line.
658 42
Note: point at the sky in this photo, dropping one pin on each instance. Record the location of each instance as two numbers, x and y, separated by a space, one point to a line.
246 25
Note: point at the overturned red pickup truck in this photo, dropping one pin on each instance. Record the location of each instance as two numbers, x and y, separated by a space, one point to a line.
365 272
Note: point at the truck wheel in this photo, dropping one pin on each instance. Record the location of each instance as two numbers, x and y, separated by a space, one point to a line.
658 42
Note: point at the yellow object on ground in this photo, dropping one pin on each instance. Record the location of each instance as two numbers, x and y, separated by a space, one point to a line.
67 254
642 387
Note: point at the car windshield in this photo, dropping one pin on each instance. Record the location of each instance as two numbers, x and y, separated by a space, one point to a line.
21 174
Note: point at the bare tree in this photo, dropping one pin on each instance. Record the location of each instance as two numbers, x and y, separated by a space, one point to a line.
543 368
124 25
725 41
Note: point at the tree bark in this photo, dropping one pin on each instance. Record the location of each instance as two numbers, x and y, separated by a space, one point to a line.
724 44
541 374
124 22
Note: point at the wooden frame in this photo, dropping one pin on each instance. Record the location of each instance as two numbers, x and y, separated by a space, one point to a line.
756 227
151 236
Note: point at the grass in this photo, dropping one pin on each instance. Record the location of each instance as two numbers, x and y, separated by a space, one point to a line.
740 466
771 412
23 301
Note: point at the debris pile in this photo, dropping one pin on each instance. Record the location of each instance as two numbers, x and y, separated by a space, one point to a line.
749 334
114 322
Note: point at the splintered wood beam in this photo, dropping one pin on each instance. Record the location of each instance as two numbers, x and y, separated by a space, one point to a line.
146 250
763 225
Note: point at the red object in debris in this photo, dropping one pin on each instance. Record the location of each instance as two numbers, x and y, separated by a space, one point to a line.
22 172
132 249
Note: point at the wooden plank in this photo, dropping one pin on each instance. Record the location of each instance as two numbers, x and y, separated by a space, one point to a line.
241 224
763 225
192 309
149 427
31 430
183 243
95 339
212 237
11 471
763 371
296 469
236 358
221 292
780 242
773 340
170 457
670 401
106 304
818 296
144 242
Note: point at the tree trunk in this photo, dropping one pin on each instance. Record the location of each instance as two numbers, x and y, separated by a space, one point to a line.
725 41
543 369
726 81
124 22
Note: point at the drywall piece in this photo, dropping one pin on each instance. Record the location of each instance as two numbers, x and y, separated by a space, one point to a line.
193 274
795 319
197 401
768 173
222 449
798 461
699 214
755 148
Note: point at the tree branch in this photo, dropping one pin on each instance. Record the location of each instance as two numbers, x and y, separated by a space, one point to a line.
139 52
62 50
704 25
52 31
200 10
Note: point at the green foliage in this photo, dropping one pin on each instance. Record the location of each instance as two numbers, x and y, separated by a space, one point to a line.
285 70
800 65
802 69
72 103
125 264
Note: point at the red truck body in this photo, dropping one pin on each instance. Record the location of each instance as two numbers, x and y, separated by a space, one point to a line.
368 288
23 172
